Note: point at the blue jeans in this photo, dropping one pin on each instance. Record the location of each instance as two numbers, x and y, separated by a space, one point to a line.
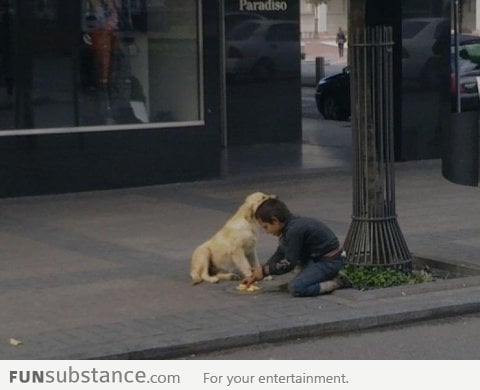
307 282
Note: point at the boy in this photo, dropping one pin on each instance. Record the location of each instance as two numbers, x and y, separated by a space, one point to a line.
302 241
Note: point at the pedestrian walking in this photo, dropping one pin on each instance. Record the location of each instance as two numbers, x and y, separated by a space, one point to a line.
341 39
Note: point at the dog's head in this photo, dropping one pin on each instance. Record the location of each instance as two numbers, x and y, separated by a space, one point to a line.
254 200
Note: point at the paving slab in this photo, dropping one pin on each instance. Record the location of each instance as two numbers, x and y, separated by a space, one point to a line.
105 274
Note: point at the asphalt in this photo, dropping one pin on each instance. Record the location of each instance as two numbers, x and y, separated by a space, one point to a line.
104 275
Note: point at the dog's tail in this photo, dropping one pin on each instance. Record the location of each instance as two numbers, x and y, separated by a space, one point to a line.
200 265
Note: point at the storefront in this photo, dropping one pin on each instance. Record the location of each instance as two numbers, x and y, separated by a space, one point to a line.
98 94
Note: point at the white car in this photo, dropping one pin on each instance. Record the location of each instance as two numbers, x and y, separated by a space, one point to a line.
263 49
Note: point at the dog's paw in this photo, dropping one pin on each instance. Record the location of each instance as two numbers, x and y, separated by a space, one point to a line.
235 277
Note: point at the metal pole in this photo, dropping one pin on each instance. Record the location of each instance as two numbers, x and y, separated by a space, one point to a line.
319 69
374 237
458 102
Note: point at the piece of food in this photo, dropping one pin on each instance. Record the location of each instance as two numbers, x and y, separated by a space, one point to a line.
251 288
15 342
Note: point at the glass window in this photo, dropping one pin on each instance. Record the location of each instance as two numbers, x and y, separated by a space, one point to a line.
99 62
243 31
282 32
410 28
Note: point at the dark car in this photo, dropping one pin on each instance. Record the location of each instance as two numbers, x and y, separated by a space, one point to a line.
333 93
468 71
333 96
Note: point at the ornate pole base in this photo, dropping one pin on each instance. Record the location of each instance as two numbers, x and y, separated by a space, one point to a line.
377 242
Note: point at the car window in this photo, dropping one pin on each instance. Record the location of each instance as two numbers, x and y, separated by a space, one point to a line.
243 31
282 32
412 28
470 55
470 52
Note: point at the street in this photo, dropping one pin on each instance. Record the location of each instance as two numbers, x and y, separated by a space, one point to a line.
447 338
309 108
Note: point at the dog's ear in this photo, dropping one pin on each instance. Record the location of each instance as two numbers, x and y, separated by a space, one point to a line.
252 208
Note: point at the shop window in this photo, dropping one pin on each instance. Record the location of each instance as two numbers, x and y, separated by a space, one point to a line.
98 63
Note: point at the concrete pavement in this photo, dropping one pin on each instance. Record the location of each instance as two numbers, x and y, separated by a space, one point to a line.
105 274
326 48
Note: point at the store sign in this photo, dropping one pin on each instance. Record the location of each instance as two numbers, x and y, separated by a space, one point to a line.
268 5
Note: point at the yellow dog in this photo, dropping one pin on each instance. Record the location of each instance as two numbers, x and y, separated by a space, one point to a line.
232 248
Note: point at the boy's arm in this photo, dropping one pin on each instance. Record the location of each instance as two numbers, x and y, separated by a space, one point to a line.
258 273
282 261
279 263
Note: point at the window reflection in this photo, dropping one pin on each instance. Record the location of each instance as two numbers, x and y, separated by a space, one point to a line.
140 62
468 71
261 49
98 62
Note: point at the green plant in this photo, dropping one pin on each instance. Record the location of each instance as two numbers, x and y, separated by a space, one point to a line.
364 278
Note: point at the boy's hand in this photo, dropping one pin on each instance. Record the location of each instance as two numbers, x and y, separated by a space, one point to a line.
257 274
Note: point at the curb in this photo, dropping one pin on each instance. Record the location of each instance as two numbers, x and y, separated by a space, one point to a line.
289 333
396 311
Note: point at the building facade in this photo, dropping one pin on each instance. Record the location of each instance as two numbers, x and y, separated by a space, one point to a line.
99 94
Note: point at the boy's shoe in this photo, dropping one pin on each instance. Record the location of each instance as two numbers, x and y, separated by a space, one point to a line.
343 280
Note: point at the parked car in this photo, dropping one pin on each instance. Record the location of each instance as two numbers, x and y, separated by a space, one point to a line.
262 49
333 96
333 93
233 19
468 71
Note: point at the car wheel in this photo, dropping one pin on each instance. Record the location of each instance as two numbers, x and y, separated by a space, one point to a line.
331 109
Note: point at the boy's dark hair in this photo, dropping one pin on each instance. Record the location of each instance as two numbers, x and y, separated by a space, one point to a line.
272 208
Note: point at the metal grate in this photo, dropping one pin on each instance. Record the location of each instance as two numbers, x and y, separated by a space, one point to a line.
374 237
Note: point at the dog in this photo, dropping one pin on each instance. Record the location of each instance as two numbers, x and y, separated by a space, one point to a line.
232 248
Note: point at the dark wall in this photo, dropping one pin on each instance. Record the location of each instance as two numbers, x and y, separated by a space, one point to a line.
382 13
42 164
421 72
425 78
263 92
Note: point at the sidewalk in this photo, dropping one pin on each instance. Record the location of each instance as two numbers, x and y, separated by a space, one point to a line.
326 48
105 274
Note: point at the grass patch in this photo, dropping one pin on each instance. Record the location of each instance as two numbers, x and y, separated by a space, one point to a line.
365 278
